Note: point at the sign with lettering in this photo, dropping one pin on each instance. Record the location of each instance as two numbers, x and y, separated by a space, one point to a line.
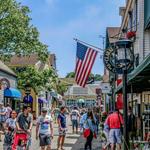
109 60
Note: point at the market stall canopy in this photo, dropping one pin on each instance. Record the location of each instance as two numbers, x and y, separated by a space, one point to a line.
12 92
42 100
28 99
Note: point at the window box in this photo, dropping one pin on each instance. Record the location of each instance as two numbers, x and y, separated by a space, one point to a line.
131 34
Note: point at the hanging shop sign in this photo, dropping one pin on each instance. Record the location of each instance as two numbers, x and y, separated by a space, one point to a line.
112 63
109 60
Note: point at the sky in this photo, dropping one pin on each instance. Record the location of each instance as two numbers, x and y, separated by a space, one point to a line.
59 21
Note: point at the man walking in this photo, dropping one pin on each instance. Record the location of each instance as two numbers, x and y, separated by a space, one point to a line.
75 116
44 130
3 117
23 124
115 121
62 128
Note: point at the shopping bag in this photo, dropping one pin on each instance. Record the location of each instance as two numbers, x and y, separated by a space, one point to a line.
86 133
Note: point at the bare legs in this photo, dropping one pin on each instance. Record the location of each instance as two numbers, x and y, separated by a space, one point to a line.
61 140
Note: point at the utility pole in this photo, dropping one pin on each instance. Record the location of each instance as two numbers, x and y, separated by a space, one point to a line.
103 40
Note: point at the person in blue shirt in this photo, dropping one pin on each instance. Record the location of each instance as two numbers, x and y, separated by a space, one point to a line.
61 127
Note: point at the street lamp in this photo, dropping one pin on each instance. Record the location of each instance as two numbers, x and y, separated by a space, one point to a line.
124 62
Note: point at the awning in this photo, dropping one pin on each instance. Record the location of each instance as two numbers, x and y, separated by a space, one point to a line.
42 100
28 99
12 92
139 78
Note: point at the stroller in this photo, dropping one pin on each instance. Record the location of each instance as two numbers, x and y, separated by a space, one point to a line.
21 140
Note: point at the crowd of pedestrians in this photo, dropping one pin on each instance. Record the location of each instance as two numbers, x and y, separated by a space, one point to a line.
17 127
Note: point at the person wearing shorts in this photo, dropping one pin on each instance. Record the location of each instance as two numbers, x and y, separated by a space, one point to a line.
61 128
115 121
44 130
75 115
115 136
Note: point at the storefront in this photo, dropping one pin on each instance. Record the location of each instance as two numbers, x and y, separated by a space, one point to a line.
13 97
139 85
8 87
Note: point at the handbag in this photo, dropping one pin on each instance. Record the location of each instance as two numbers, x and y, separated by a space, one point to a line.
86 132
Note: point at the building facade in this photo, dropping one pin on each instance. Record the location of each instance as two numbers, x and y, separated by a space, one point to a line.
36 102
81 97
135 26
8 87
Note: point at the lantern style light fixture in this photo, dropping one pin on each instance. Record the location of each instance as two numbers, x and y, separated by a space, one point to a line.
124 61
124 55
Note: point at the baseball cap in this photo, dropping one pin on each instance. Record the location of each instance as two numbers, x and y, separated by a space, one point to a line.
44 109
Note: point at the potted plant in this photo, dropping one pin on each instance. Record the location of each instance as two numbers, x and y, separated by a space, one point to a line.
131 34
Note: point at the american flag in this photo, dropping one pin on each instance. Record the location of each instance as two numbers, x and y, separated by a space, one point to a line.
84 62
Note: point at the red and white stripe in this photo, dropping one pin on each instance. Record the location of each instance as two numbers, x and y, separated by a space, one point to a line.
83 68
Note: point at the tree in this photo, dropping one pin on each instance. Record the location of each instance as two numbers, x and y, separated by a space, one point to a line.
70 75
95 77
98 77
17 35
35 79
61 88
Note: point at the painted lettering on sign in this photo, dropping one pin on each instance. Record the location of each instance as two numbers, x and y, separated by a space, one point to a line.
109 60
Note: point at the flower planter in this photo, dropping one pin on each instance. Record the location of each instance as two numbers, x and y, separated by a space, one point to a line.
131 34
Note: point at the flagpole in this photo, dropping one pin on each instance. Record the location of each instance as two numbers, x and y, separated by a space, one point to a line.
96 48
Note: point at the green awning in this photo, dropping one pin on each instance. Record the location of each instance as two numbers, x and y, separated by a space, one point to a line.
143 70
139 78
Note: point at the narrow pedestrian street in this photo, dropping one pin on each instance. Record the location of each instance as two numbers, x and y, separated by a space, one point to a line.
72 141
81 63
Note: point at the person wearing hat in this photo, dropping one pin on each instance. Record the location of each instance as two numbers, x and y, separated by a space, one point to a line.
3 117
44 129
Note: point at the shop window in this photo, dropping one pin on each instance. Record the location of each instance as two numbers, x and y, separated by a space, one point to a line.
130 21
135 16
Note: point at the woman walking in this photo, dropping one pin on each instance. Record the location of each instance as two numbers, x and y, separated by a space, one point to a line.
90 124
10 126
